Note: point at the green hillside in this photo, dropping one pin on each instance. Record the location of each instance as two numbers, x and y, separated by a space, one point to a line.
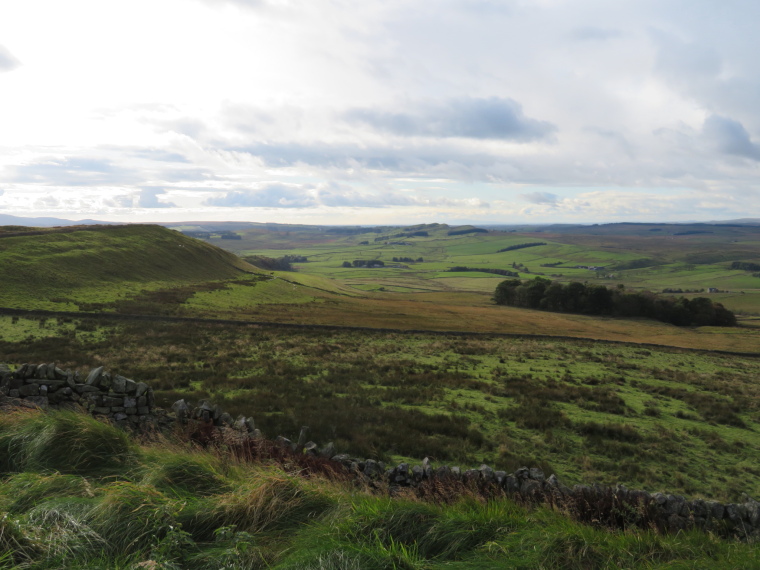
65 269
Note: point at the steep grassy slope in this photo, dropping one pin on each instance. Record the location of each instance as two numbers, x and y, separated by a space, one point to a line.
64 269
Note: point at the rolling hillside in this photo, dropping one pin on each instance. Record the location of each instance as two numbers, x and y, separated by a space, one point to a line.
60 269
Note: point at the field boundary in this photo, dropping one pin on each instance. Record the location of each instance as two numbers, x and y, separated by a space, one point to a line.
301 326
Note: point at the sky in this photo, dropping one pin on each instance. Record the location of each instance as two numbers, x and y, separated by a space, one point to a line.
380 111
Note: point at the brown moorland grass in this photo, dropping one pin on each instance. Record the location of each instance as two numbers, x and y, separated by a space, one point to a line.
475 313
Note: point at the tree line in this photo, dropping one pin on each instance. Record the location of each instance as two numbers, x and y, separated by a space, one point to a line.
588 299
521 246
504 272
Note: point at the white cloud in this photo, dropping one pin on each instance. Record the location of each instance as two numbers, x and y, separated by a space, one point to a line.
8 61
249 107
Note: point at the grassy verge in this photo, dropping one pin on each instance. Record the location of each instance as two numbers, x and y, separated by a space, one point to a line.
166 505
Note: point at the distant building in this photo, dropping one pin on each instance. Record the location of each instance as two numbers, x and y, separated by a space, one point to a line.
712 289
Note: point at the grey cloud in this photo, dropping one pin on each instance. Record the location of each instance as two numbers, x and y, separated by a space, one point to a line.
148 198
8 61
46 202
540 198
271 196
590 33
73 172
686 64
336 195
489 118
730 137
159 155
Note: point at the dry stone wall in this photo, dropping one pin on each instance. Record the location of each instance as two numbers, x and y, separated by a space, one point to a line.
121 400
130 404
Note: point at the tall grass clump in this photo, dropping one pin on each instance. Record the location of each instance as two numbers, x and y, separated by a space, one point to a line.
377 532
267 500
16 546
67 442
184 473
23 491
132 517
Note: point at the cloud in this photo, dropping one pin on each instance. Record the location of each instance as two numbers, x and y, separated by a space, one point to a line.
73 172
540 198
148 198
590 33
336 195
478 118
8 61
730 137
271 196
46 202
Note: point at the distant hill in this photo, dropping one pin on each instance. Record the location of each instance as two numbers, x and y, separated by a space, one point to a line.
8 220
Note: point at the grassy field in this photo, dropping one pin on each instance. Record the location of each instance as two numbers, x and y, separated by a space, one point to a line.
641 256
591 412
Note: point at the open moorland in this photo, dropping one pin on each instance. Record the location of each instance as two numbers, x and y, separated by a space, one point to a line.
589 412
432 368
151 270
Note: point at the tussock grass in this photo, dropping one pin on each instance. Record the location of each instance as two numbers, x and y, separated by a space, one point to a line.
67 442
184 473
26 490
132 517
176 509
265 501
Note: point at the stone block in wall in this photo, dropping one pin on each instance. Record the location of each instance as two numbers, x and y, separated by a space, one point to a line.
59 373
101 410
93 378
130 411
181 409
29 390
29 370
117 409
40 372
536 474
141 389
143 410
130 402
130 386
327 451
39 401
119 385
141 401
51 371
